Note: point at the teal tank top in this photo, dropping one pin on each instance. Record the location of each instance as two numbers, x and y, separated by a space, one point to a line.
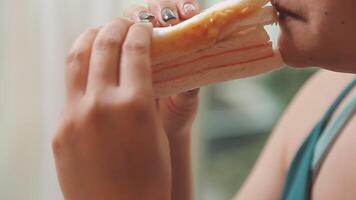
310 155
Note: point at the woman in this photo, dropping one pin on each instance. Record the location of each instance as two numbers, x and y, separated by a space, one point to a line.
115 141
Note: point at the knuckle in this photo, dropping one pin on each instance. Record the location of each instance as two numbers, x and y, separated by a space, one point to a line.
64 134
144 27
95 108
136 46
137 107
120 22
144 91
136 103
123 21
76 56
107 43
57 144
92 31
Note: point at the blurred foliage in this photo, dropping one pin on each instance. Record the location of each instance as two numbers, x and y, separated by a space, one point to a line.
285 83
229 159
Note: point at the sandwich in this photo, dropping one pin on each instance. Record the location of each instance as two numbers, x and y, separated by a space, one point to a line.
224 42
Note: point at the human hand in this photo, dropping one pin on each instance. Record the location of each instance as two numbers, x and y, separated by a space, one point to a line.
177 111
110 143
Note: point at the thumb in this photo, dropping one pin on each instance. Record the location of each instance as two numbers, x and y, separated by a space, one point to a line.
183 107
179 111
187 100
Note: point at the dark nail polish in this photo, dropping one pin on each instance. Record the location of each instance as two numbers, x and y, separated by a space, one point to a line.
168 15
146 17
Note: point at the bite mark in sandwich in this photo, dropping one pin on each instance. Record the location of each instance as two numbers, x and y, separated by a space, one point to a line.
224 42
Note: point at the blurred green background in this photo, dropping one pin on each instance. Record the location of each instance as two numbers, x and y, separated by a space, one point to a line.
236 119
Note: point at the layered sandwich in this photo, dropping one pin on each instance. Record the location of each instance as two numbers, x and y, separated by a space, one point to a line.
224 42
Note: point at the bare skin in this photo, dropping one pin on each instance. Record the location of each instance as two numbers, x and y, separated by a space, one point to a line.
99 149
335 181
317 33
322 35
179 111
114 139
108 75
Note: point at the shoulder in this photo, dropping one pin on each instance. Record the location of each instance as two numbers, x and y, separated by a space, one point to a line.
309 104
307 108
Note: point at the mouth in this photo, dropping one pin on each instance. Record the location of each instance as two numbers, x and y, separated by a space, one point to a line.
286 14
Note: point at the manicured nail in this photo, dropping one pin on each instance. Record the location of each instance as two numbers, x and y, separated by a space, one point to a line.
147 17
189 8
168 15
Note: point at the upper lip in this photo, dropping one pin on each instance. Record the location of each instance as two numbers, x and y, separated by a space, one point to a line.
283 10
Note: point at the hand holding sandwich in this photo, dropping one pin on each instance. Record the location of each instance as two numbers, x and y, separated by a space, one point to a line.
100 150
177 111
110 143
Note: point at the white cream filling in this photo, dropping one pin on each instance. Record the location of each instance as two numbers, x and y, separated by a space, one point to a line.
163 31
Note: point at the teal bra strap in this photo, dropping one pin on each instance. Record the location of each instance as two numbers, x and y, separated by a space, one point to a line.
330 134
337 101
298 181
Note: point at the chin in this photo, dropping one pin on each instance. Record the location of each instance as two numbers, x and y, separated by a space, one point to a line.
302 46
292 55
302 56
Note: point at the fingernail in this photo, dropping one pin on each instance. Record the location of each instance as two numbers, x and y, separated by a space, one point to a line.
189 8
168 15
194 91
147 17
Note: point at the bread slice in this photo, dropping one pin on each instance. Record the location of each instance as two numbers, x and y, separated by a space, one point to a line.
225 42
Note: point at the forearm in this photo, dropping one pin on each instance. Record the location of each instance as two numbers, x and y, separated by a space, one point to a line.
181 168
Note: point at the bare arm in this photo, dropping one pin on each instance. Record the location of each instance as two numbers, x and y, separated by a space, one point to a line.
267 177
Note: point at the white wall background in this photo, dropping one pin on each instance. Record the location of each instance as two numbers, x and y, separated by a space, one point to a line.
34 38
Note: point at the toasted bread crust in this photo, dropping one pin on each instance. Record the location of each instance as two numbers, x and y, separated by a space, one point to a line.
223 43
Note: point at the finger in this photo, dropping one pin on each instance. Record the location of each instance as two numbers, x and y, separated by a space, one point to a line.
179 111
187 8
140 13
104 62
165 11
135 58
78 63
186 100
